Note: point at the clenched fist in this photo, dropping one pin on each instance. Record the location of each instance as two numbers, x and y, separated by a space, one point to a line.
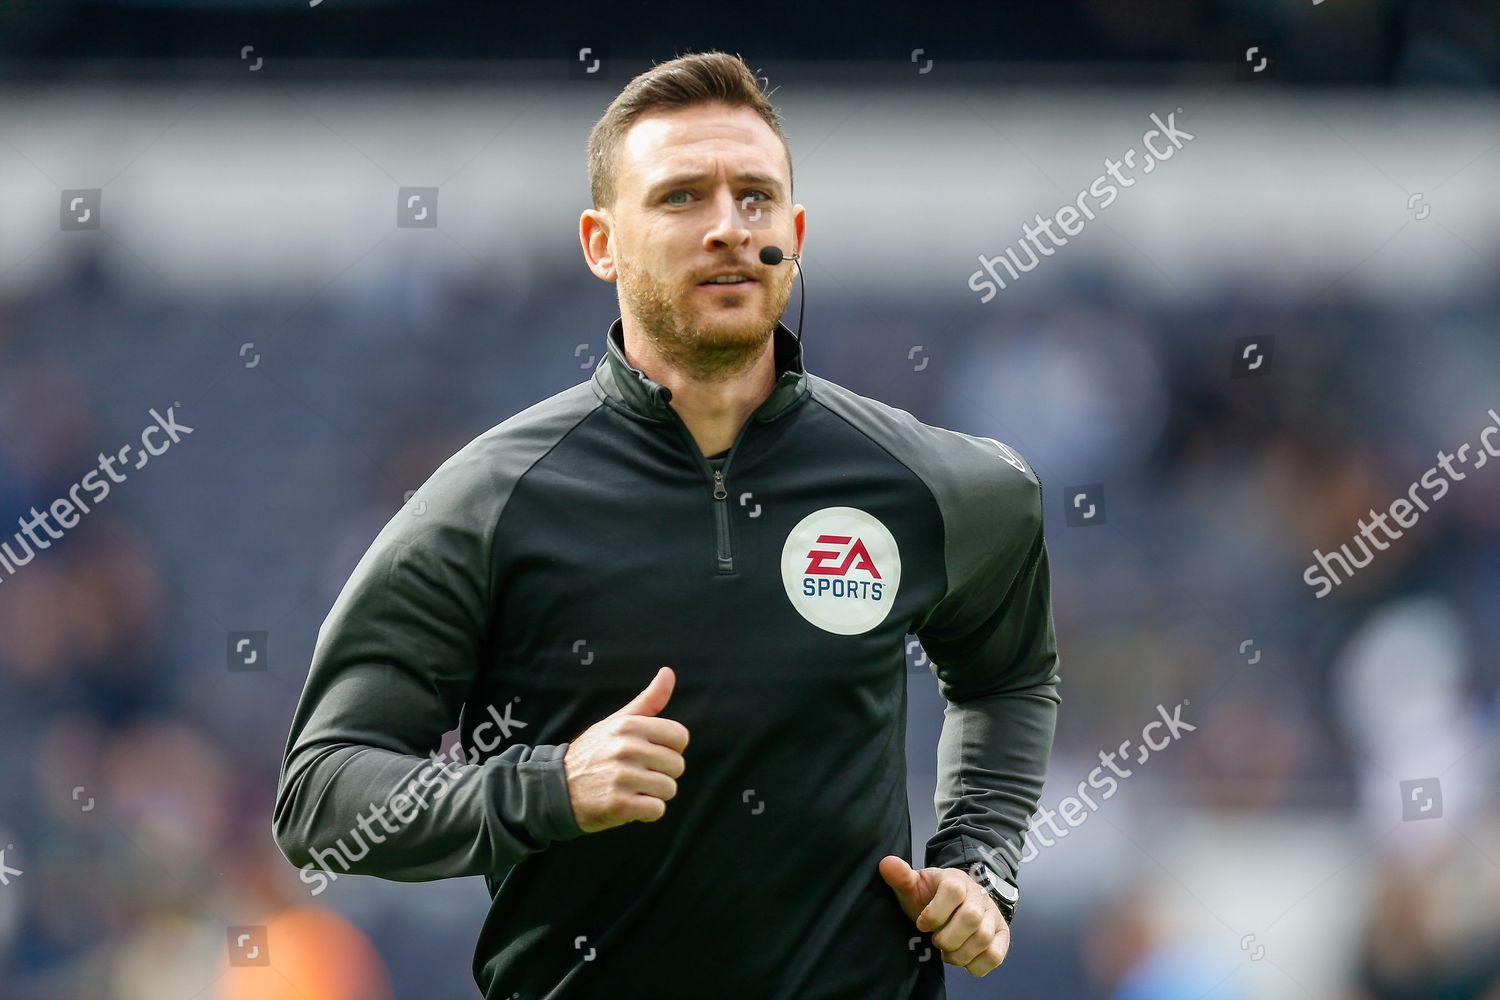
625 767
967 925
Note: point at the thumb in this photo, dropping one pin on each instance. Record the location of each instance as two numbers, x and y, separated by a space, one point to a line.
907 883
655 696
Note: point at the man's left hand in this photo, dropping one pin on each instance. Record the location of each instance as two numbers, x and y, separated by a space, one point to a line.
967 925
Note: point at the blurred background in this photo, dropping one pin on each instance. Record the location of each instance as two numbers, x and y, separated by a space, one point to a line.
1256 344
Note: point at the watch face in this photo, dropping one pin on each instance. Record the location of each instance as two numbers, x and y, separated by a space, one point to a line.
1003 891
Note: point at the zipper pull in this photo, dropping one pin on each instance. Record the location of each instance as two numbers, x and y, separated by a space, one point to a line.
719 491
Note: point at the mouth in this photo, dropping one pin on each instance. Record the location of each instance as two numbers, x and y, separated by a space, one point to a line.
729 279
728 288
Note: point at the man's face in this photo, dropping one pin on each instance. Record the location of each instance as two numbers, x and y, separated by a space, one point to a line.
699 191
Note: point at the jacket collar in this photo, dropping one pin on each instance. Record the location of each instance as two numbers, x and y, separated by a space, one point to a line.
630 387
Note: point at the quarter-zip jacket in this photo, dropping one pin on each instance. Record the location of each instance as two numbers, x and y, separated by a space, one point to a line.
544 573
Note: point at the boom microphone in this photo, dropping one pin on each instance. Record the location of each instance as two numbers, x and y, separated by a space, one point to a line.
771 256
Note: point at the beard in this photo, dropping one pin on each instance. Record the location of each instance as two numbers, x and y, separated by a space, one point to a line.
708 336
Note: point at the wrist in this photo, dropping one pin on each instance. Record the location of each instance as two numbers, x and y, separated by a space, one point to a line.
1002 891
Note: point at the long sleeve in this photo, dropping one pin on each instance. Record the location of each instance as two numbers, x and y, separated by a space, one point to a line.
994 652
362 789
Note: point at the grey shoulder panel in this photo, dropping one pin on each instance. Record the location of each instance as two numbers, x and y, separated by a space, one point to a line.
989 496
395 659
473 485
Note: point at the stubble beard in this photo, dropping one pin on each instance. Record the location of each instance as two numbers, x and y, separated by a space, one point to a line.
696 334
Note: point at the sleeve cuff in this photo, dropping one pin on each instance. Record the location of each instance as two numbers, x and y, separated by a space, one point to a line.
544 781
961 852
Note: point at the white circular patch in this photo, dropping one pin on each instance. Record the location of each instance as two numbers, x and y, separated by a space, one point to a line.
841 569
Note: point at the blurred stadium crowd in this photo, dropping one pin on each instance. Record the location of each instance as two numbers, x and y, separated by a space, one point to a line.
142 767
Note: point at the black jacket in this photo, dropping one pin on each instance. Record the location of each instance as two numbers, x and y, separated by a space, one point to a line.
544 573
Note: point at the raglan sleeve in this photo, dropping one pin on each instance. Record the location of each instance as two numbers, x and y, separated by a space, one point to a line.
993 649
363 787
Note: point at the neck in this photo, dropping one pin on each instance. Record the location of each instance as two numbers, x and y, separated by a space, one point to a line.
714 409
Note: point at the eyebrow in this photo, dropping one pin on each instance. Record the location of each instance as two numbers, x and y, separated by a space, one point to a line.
685 179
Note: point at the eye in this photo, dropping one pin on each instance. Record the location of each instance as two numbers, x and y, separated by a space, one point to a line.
668 198
763 195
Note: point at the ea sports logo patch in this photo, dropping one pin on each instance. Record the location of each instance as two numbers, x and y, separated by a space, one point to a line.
841 569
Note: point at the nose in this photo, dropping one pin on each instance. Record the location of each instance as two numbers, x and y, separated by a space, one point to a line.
729 230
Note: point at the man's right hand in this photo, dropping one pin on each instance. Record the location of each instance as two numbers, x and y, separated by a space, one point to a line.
624 768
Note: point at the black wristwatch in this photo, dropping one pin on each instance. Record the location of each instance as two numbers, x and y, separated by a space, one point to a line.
1006 896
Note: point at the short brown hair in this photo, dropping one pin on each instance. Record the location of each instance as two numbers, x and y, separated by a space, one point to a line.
690 80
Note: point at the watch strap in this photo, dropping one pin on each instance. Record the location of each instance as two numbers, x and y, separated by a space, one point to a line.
1006 896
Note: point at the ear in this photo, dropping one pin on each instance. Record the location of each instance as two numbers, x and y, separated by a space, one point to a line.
594 233
799 223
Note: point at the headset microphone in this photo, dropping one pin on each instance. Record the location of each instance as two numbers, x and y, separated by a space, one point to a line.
771 256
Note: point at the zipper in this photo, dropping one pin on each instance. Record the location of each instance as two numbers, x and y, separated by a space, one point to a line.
721 517
723 551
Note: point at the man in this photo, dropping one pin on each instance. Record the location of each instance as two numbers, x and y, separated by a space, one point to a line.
703 556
